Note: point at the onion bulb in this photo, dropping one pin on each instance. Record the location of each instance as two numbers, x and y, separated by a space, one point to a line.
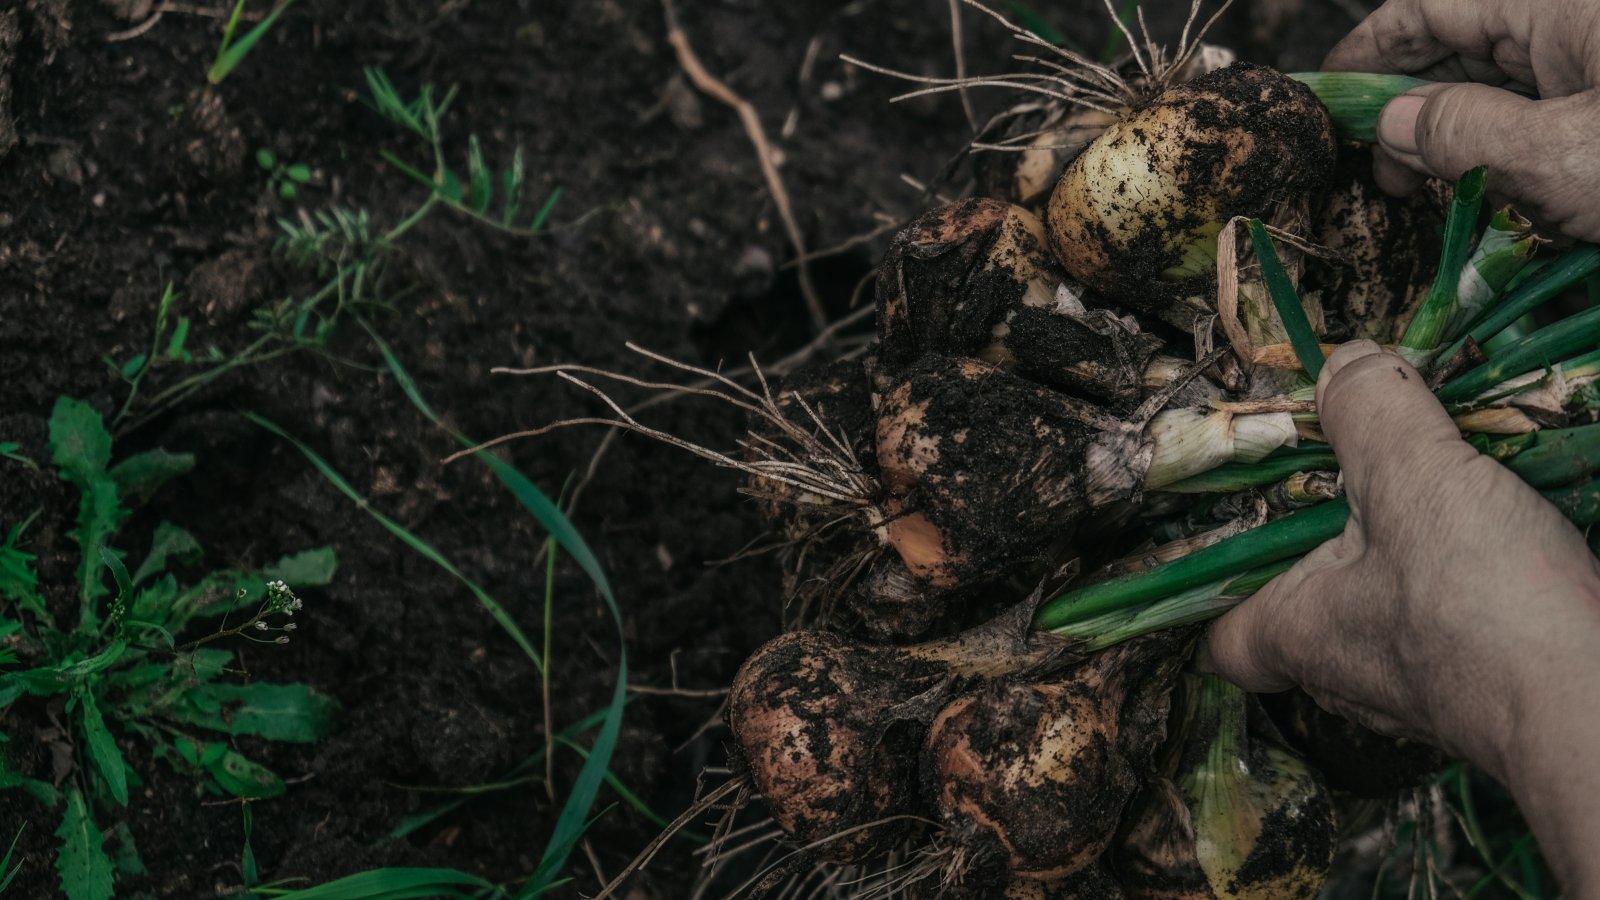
1136 215
1262 820
810 713
1033 778
1093 883
989 470
828 728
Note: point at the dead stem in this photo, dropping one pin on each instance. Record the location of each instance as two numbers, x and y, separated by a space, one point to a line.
710 84
733 786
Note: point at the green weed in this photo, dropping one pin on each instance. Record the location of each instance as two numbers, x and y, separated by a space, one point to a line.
285 178
231 51
345 248
123 668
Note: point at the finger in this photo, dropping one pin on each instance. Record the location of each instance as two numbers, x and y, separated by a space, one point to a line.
1265 643
1537 151
1395 38
1387 429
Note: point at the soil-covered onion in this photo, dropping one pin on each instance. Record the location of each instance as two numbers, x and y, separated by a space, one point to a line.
976 278
1136 215
1093 883
811 714
991 470
828 728
1031 779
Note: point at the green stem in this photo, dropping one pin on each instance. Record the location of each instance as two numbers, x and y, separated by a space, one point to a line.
1233 477
1354 99
1580 503
1543 348
1289 536
1572 267
1428 326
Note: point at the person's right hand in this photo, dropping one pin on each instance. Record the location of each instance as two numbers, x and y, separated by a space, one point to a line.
1458 606
1543 154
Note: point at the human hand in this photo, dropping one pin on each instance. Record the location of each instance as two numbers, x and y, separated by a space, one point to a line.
1541 153
1458 607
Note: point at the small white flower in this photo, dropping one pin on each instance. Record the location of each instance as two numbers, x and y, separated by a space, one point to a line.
261 626
289 627
282 639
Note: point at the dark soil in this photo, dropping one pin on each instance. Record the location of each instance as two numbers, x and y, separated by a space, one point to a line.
120 171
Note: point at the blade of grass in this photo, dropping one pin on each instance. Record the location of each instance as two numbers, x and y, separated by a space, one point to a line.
573 819
422 548
388 884
230 54
6 861
1287 301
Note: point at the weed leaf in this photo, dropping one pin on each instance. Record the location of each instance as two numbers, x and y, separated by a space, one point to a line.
139 475
19 583
127 859
308 568
103 749
169 542
277 712
79 442
82 863
41 791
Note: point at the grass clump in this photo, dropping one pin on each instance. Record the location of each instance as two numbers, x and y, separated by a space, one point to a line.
138 661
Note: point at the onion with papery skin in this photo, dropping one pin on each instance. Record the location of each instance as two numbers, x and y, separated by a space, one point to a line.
1155 857
811 714
1093 883
990 470
1262 820
828 727
1136 215
1030 780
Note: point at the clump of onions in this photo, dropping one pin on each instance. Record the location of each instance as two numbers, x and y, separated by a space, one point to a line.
1137 214
1031 779
828 728
1352 758
976 278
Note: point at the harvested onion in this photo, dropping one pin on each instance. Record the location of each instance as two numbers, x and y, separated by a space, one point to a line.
1136 215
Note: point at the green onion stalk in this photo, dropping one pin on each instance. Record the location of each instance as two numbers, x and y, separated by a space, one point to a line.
1210 581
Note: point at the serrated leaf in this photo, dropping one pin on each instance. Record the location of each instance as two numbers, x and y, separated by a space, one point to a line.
100 512
141 474
19 583
82 863
103 750
308 568
169 542
154 601
79 442
277 712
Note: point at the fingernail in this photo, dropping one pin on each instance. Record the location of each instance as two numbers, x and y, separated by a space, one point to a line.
1397 123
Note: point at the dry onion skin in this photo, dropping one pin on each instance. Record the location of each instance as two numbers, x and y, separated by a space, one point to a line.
1136 215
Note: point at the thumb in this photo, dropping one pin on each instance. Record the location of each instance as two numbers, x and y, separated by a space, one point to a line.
1538 152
